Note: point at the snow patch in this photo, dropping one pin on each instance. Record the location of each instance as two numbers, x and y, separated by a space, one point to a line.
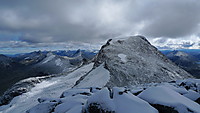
122 57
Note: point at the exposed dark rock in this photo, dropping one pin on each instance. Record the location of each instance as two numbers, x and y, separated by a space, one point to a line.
164 109
96 108
198 100
137 93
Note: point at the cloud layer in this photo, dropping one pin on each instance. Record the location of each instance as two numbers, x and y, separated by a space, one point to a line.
50 21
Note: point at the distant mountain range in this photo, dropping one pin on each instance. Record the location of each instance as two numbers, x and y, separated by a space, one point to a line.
39 63
189 60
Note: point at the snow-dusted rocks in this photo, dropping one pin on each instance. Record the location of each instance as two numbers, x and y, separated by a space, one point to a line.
94 100
162 97
117 100
147 98
133 60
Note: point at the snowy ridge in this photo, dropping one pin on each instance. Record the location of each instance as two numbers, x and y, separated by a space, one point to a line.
97 78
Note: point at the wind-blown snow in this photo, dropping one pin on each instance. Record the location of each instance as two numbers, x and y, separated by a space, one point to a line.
123 57
51 89
97 78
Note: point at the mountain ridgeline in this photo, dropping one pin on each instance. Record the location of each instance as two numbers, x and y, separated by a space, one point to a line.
188 61
39 63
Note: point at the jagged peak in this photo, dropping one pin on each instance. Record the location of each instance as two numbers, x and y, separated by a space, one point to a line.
77 53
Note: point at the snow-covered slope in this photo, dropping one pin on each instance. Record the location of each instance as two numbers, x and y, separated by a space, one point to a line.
49 88
56 63
133 60
97 78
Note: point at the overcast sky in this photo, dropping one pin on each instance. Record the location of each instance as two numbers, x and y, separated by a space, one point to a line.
60 23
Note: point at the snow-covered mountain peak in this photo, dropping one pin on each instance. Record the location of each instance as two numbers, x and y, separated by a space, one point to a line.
77 53
49 57
179 53
133 60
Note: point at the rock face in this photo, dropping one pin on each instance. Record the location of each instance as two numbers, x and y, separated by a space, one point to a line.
133 60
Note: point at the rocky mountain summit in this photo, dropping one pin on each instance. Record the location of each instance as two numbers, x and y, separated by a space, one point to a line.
133 60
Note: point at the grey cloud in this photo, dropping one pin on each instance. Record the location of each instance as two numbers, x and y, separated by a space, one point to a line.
164 47
188 44
52 21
